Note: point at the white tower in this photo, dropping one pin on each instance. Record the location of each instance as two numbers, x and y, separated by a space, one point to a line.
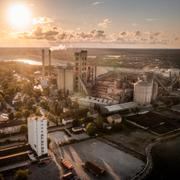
37 134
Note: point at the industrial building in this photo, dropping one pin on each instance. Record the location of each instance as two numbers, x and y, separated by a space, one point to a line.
14 157
65 79
37 134
11 127
85 75
80 68
89 101
143 92
119 108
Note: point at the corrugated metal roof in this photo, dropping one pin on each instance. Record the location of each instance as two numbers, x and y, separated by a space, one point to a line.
119 107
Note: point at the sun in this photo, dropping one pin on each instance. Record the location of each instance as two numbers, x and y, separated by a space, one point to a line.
19 16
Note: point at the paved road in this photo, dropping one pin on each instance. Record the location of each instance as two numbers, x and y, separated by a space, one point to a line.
118 164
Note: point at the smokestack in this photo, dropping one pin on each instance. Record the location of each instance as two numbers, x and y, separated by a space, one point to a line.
49 62
43 63
95 75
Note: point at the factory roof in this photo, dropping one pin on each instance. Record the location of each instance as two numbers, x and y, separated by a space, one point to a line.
68 66
11 124
120 107
96 100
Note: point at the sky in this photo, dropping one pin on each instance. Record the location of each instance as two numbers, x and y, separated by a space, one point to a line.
92 23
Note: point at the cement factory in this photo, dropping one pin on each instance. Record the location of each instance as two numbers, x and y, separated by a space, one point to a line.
80 80
79 104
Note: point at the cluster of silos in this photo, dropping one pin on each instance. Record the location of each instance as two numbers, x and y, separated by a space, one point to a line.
143 92
65 79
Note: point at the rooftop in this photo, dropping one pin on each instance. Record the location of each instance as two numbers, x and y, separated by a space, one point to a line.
119 107
11 124
95 100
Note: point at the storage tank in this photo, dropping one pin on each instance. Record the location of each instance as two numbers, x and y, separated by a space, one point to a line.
143 91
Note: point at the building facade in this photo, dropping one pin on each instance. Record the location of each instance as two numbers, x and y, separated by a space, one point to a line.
80 68
37 134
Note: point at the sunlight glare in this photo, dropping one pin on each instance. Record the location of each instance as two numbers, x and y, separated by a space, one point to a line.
19 16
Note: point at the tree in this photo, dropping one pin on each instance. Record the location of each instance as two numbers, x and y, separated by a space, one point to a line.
37 112
11 116
26 113
21 174
44 104
75 105
99 122
1 177
91 129
18 115
48 142
1 99
30 103
51 118
23 129
76 123
37 93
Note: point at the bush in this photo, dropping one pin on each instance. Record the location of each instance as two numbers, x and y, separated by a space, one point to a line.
1 177
18 115
23 129
99 122
76 123
21 174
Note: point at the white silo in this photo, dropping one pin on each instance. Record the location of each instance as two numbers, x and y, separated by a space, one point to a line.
143 92
65 79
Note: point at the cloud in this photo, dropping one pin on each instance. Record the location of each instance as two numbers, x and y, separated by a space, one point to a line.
138 33
39 32
134 24
177 38
42 20
140 37
97 3
55 34
151 19
59 47
46 30
124 33
105 23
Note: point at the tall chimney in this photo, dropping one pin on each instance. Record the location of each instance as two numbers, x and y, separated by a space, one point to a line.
49 62
95 74
43 63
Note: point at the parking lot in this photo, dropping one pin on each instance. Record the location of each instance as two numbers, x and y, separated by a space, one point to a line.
118 164
132 138
156 122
